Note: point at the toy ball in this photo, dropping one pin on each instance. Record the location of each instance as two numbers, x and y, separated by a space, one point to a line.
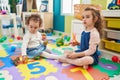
13 48
60 34
10 40
18 38
12 36
53 33
68 38
115 59
3 12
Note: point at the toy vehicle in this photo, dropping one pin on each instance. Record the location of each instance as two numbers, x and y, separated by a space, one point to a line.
114 5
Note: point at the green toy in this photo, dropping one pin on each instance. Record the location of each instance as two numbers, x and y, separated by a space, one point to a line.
3 39
59 42
53 33
37 57
60 34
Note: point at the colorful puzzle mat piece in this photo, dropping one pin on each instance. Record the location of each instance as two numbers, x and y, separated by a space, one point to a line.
45 69
78 73
4 54
109 67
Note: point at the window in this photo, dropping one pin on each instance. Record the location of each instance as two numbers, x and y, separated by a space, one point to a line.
86 1
67 6
38 2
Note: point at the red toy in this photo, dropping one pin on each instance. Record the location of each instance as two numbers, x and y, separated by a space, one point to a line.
115 59
18 38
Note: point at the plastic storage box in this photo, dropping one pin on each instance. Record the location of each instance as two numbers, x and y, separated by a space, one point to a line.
112 45
113 23
113 34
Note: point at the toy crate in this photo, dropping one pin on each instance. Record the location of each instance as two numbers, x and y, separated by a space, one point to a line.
112 45
113 23
111 13
113 34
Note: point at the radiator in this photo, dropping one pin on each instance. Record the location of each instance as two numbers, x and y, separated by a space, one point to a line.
77 28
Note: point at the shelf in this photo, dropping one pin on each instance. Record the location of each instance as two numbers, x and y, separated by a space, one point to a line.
47 18
108 54
114 34
111 32
111 13
77 28
9 16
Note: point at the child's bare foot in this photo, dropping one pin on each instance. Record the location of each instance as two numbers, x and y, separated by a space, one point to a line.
85 66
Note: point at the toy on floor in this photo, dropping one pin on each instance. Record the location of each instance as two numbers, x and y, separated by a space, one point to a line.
74 42
66 39
13 48
37 57
59 42
19 60
3 12
115 59
2 39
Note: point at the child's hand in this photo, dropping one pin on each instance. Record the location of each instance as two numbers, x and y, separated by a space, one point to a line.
72 55
45 42
43 36
67 52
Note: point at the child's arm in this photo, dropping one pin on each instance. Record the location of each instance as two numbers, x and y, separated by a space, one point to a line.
25 44
93 42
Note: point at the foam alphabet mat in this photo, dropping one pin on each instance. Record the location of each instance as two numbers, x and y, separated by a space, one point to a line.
46 69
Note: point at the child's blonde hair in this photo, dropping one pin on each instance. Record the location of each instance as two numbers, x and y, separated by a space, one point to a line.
99 24
35 18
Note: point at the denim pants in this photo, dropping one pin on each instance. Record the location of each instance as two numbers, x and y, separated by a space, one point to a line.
32 52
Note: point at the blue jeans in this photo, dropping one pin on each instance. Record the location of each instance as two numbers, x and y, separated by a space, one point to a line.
32 52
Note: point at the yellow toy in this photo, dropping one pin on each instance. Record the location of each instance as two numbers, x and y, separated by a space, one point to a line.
20 60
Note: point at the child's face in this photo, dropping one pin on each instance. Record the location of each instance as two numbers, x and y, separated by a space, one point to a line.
33 26
87 18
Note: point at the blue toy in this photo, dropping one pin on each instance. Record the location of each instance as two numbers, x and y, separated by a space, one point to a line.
115 4
13 48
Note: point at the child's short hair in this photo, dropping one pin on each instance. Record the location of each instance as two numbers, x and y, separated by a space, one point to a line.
35 18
